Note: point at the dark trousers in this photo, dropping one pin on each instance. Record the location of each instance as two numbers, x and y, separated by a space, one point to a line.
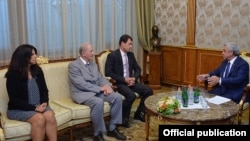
129 94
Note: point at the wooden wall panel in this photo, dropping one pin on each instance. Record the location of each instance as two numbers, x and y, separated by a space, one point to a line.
181 65
207 61
171 65
189 66
154 70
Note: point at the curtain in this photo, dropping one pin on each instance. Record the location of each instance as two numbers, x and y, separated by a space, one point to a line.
58 27
145 21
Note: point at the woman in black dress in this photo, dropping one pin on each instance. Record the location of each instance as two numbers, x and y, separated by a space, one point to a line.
28 94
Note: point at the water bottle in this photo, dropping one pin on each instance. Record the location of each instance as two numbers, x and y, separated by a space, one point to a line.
184 96
178 94
190 95
196 95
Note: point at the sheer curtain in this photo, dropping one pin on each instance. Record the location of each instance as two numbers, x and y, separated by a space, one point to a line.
58 27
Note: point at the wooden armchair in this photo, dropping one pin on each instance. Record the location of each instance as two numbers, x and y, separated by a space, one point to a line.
100 60
244 105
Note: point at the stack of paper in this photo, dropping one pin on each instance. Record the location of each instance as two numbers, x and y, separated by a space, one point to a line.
218 100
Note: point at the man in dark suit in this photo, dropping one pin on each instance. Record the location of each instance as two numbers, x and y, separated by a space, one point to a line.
90 88
122 66
230 78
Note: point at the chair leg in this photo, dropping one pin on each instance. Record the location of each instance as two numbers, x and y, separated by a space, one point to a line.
239 117
248 114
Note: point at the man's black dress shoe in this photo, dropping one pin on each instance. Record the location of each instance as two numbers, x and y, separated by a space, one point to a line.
116 134
139 116
98 138
125 124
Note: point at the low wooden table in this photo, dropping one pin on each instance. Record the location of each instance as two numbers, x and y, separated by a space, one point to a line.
216 114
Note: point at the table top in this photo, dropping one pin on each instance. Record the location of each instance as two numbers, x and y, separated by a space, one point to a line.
216 114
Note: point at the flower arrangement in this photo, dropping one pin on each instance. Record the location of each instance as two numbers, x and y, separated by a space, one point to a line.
168 105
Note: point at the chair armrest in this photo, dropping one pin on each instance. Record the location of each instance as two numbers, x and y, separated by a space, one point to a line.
243 98
113 82
245 105
108 78
2 138
143 79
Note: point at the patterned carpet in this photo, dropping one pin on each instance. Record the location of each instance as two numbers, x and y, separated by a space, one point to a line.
137 130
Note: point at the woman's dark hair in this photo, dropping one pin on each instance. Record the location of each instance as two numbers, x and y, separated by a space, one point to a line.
20 60
124 38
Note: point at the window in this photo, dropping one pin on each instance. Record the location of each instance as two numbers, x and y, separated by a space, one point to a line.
58 27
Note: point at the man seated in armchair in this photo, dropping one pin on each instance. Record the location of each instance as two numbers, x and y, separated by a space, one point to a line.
231 77
122 66
90 88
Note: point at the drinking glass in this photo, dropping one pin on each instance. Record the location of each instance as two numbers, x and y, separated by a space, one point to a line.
203 101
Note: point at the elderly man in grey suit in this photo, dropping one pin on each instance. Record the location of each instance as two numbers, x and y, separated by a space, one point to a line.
90 88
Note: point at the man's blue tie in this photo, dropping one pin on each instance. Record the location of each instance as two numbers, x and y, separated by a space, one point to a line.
227 69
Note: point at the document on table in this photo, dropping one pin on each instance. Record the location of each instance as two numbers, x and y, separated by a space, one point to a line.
218 100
